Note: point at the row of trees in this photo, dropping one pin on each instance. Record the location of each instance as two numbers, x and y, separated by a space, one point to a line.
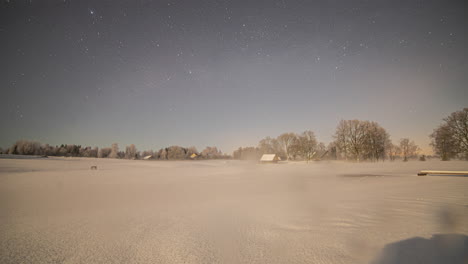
365 140
27 147
354 140
181 153
287 146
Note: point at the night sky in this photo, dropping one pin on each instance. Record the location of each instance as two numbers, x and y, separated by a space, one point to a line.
226 73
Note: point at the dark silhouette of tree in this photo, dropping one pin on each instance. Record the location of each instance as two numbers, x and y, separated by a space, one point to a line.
451 138
408 148
361 140
444 143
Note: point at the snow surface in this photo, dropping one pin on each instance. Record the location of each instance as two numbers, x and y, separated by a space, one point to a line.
57 210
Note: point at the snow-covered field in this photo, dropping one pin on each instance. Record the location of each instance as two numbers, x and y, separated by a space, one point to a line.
57 210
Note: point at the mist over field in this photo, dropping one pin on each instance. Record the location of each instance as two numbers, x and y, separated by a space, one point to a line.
58 210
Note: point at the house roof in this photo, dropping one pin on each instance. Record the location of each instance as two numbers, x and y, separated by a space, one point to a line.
268 157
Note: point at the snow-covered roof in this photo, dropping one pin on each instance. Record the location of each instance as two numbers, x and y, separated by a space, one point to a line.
268 157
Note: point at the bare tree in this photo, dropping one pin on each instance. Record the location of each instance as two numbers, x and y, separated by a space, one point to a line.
286 140
247 153
237 154
175 153
211 153
356 139
321 147
408 148
94 152
162 154
350 138
104 152
130 152
377 142
457 126
114 151
341 139
444 142
305 145
393 151
270 145
357 135
266 145
332 151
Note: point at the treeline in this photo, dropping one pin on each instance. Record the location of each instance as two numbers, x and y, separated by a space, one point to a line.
364 141
289 146
354 140
27 147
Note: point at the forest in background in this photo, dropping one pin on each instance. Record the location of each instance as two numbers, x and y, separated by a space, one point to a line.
354 140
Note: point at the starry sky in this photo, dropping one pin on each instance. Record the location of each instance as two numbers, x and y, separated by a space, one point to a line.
226 73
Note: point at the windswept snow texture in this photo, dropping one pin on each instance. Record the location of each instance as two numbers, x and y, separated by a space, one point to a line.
59 211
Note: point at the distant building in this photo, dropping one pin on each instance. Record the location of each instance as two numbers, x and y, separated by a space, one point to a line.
193 156
148 157
269 158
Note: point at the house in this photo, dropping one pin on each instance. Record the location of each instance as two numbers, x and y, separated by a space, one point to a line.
148 157
193 156
270 158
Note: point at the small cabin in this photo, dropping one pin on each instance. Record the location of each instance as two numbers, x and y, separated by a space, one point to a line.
269 158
